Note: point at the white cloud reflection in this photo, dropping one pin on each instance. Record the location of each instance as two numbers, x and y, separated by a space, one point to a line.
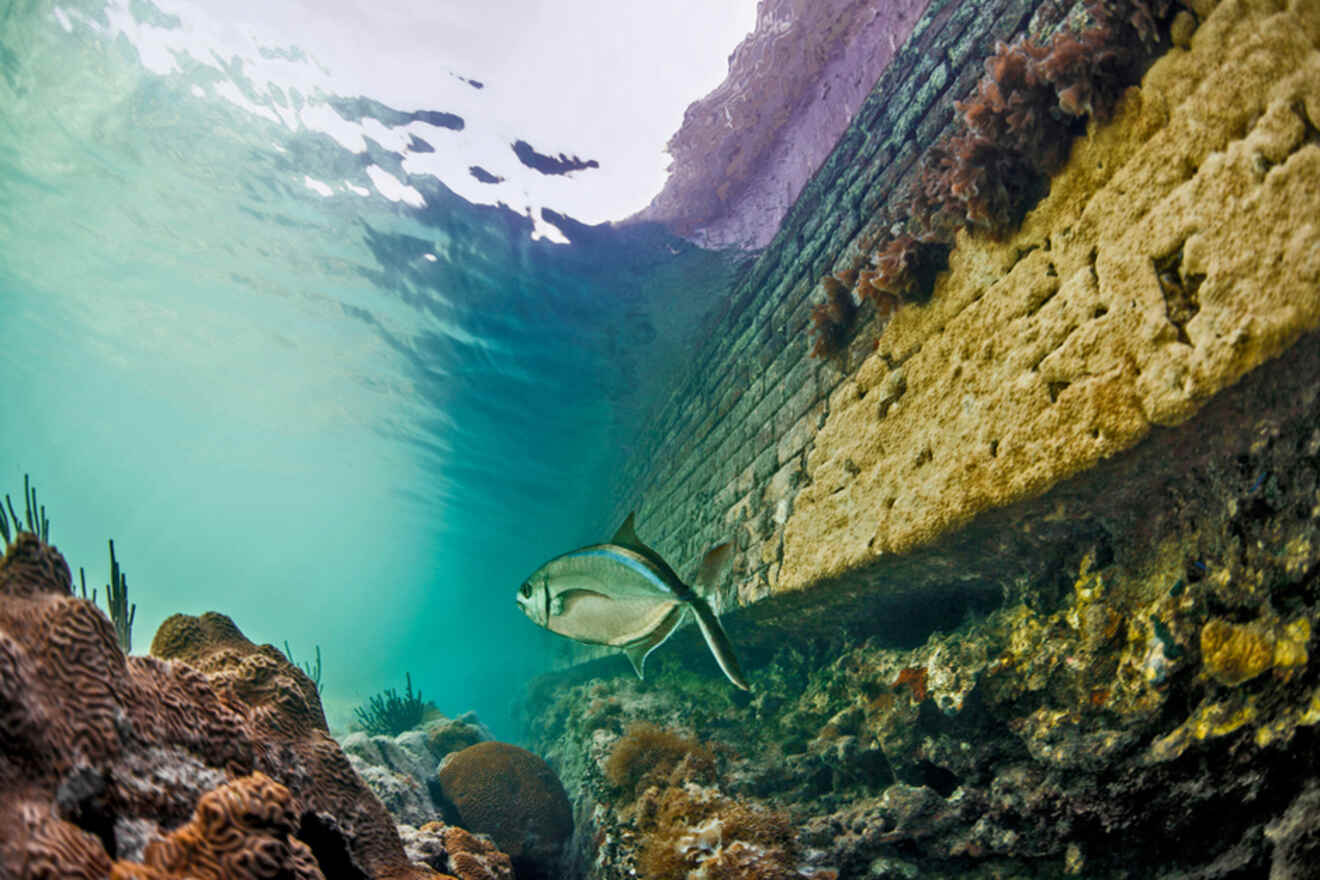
602 79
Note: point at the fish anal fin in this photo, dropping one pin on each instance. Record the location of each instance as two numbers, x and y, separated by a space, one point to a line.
626 534
713 565
638 651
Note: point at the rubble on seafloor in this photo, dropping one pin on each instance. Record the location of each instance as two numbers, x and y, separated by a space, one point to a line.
1152 710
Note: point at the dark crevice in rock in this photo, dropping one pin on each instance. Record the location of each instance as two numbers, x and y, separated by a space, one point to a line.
81 799
1180 292
329 847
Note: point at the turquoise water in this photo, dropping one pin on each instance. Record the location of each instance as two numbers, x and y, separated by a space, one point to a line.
354 421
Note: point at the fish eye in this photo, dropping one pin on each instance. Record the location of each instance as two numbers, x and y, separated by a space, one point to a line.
526 590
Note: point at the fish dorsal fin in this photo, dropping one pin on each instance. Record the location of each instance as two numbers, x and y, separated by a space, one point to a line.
626 535
638 651
712 568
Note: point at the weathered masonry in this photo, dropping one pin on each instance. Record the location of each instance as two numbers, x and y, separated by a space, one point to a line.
1176 251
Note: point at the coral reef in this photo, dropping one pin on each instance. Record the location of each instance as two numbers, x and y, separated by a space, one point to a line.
445 735
401 769
453 850
388 713
511 794
1151 707
685 825
102 755
243 829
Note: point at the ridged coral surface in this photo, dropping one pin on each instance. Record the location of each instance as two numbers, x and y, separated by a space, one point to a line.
511 794
1177 250
240 831
101 754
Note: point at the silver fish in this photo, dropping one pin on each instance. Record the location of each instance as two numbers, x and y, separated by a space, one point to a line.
622 594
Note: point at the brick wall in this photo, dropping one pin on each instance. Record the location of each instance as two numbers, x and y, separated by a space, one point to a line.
723 458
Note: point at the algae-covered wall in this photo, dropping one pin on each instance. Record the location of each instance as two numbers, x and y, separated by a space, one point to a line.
1176 250
724 457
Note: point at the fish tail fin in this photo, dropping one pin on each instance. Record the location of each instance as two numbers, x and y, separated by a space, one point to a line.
719 642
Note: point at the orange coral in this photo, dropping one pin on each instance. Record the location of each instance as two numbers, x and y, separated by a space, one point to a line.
717 837
914 679
241 830
648 754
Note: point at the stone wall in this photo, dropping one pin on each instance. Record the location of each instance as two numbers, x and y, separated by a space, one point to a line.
725 456
1176 252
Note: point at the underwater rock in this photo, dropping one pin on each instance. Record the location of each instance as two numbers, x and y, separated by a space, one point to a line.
1149 708
101 755
455 734
514 796
401 769
407 800
455 851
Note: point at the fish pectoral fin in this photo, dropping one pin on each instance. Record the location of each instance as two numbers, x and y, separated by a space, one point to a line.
719 643
563 603
713 565
638 651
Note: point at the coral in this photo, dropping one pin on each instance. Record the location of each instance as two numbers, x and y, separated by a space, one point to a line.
716 837
244 829
34 516
904 268
649 755
116 603
312 669
1234 653
387 713
509 793
101 753
454 851
445 735
833 318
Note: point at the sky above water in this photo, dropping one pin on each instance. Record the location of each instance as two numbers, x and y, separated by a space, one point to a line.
262 325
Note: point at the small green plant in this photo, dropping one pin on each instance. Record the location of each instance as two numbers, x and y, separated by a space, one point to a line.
116 600
313 670
34 518
35 521
389 714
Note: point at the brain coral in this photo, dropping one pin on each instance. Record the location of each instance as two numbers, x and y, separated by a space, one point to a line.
509 793
243 829
100 753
